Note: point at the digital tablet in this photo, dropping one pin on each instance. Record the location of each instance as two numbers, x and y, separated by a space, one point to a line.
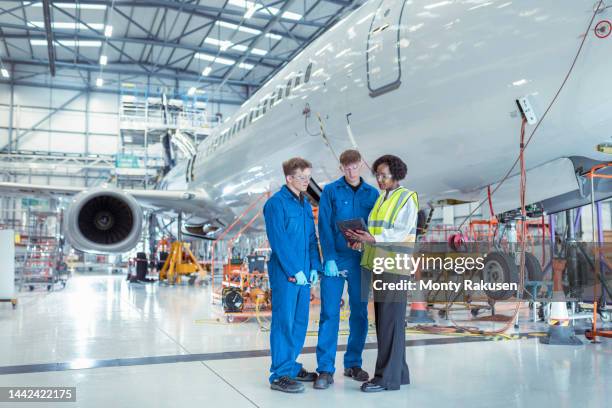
356 224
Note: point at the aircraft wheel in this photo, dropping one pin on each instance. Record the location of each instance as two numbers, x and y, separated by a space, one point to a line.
533 270
499 268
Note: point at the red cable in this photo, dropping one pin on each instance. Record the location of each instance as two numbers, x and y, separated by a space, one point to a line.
490 202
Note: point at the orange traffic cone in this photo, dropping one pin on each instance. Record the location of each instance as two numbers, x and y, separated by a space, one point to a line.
559 331
418 307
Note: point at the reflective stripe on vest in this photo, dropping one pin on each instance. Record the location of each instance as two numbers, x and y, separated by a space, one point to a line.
383 217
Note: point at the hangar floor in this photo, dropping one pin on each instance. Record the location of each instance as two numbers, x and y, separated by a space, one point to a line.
132 345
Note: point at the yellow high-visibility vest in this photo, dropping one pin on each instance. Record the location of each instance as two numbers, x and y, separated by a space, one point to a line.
383 217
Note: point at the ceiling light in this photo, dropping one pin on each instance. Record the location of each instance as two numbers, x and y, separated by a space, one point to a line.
291 16
103 60
232 26
74 6
247 30
274 36
243 48
224 45
69 43
4 72
250 11
68 25
108 31
99 82
252 7
191 91
219 60
206 71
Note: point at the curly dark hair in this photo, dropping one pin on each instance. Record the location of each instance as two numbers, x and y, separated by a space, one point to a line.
397 167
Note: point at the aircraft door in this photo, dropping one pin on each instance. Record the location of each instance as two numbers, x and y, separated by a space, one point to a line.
383 50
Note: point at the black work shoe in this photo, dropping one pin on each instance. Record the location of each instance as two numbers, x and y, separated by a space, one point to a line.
305 376
323 381
286 384
372 387
356 373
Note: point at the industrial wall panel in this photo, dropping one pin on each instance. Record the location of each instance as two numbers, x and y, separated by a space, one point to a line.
103 123
68 143
103 103
4 116
60 97
35 141
28 95
25 118
3 137
5 93
103 144
68 121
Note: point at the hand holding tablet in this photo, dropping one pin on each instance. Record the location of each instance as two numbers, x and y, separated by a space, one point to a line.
355 231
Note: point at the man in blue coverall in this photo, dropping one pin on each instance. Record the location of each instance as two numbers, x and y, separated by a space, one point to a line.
294 262
346 198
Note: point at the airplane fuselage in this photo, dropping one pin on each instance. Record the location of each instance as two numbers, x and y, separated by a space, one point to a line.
435 84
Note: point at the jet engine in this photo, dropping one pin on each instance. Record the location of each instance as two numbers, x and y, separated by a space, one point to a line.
103 220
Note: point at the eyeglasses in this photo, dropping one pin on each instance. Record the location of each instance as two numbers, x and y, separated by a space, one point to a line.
352 167
380 176
301 178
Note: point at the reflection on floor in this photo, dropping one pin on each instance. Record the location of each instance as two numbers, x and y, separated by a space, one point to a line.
108 333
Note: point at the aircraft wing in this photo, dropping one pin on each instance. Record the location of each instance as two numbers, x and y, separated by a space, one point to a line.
106 219
188 201
22 189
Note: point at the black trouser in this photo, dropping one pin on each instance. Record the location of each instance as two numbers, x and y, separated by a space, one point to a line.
390 314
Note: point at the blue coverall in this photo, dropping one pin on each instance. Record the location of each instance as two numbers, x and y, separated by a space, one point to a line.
291 233
339 202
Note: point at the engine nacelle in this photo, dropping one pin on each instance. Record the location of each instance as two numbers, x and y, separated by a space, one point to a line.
103 219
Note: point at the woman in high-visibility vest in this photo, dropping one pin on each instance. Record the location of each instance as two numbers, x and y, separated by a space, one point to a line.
392 226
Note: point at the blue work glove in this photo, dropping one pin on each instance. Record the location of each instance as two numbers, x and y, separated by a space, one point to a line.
331 269
314 277
300 278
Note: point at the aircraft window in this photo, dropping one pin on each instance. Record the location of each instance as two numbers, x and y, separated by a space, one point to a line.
280 95
265 102
297 81
244 121
251 116
192 171
288 88
188 171
307 74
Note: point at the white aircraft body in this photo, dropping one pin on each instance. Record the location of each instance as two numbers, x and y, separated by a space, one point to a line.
433 82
